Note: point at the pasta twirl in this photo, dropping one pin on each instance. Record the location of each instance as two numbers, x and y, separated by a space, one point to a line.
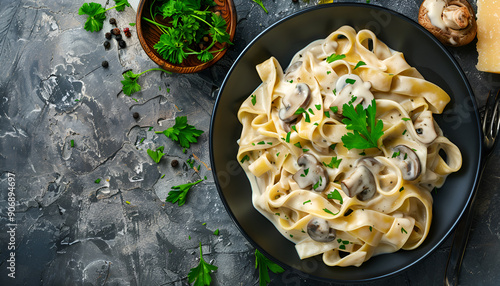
331 199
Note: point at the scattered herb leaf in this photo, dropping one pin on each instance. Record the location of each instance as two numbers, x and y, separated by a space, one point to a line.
366 130
263 264
200 275
178 193
182 132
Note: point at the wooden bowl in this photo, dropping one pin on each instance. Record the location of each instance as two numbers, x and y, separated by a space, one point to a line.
149 35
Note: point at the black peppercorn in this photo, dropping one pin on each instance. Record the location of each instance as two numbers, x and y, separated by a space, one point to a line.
105 64
106 45
174 163
122 44
108 35
115 31
136 115
112 21
118 37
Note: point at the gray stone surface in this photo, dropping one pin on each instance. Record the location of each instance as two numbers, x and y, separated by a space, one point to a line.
73 231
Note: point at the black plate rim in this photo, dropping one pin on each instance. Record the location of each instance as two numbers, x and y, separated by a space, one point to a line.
469 91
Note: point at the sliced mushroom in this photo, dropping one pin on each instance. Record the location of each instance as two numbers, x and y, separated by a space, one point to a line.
319 230
453 22
407 160
299 98
311 174
350 85
361 183
424 126
371 163
290 71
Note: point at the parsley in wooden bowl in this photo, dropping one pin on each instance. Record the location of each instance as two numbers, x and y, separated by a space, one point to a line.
185 36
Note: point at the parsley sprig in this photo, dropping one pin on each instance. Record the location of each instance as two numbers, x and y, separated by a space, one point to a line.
366 129
182 132
129 82
156 154
261 5
178 193
190 22
264 265
200 275
96 14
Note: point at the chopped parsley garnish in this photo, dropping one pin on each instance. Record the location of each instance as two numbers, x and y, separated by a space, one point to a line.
404 132
290 81
261 143
142 140
305 150
362 154
403 230
306 171
405 119
216 232
328 72
308 201
157 154
97 181
334 163
277 154
318 106
333 146
311 111
291 235
327 114
254 99
263 264
350 81
366 129
334 109
72 143
335 195
190 162
328 211
182 132
401 189
371 228
334 57
318 184
178 193
287 140
269 143
200 274
297 145
360 63
295 128
245 158
302 110
396 154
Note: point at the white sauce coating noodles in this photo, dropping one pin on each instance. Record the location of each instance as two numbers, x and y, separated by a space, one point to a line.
345 204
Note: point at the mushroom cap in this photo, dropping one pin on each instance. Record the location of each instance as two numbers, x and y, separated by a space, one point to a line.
458 18
350 85
408 161
300 97
319 230
312 174
361 183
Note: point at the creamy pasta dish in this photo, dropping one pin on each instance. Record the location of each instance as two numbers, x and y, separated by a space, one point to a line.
342 150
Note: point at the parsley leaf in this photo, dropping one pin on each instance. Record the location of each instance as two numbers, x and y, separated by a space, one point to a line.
261 5
178 193
129 82
182 132
95 14
334 57
335 195
360 63
157 154
254 99
366 130
200 275
334 163
264 265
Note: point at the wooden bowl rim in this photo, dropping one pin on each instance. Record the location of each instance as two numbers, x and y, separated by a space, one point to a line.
184 69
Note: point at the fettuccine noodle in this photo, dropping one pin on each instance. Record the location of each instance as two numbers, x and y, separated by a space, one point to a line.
345 204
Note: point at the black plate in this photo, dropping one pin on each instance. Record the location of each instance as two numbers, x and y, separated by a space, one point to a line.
460 123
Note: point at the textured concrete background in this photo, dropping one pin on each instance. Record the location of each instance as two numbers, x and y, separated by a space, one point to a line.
73 231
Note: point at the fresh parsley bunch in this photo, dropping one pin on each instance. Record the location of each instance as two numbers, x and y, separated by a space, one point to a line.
190 22
366 129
